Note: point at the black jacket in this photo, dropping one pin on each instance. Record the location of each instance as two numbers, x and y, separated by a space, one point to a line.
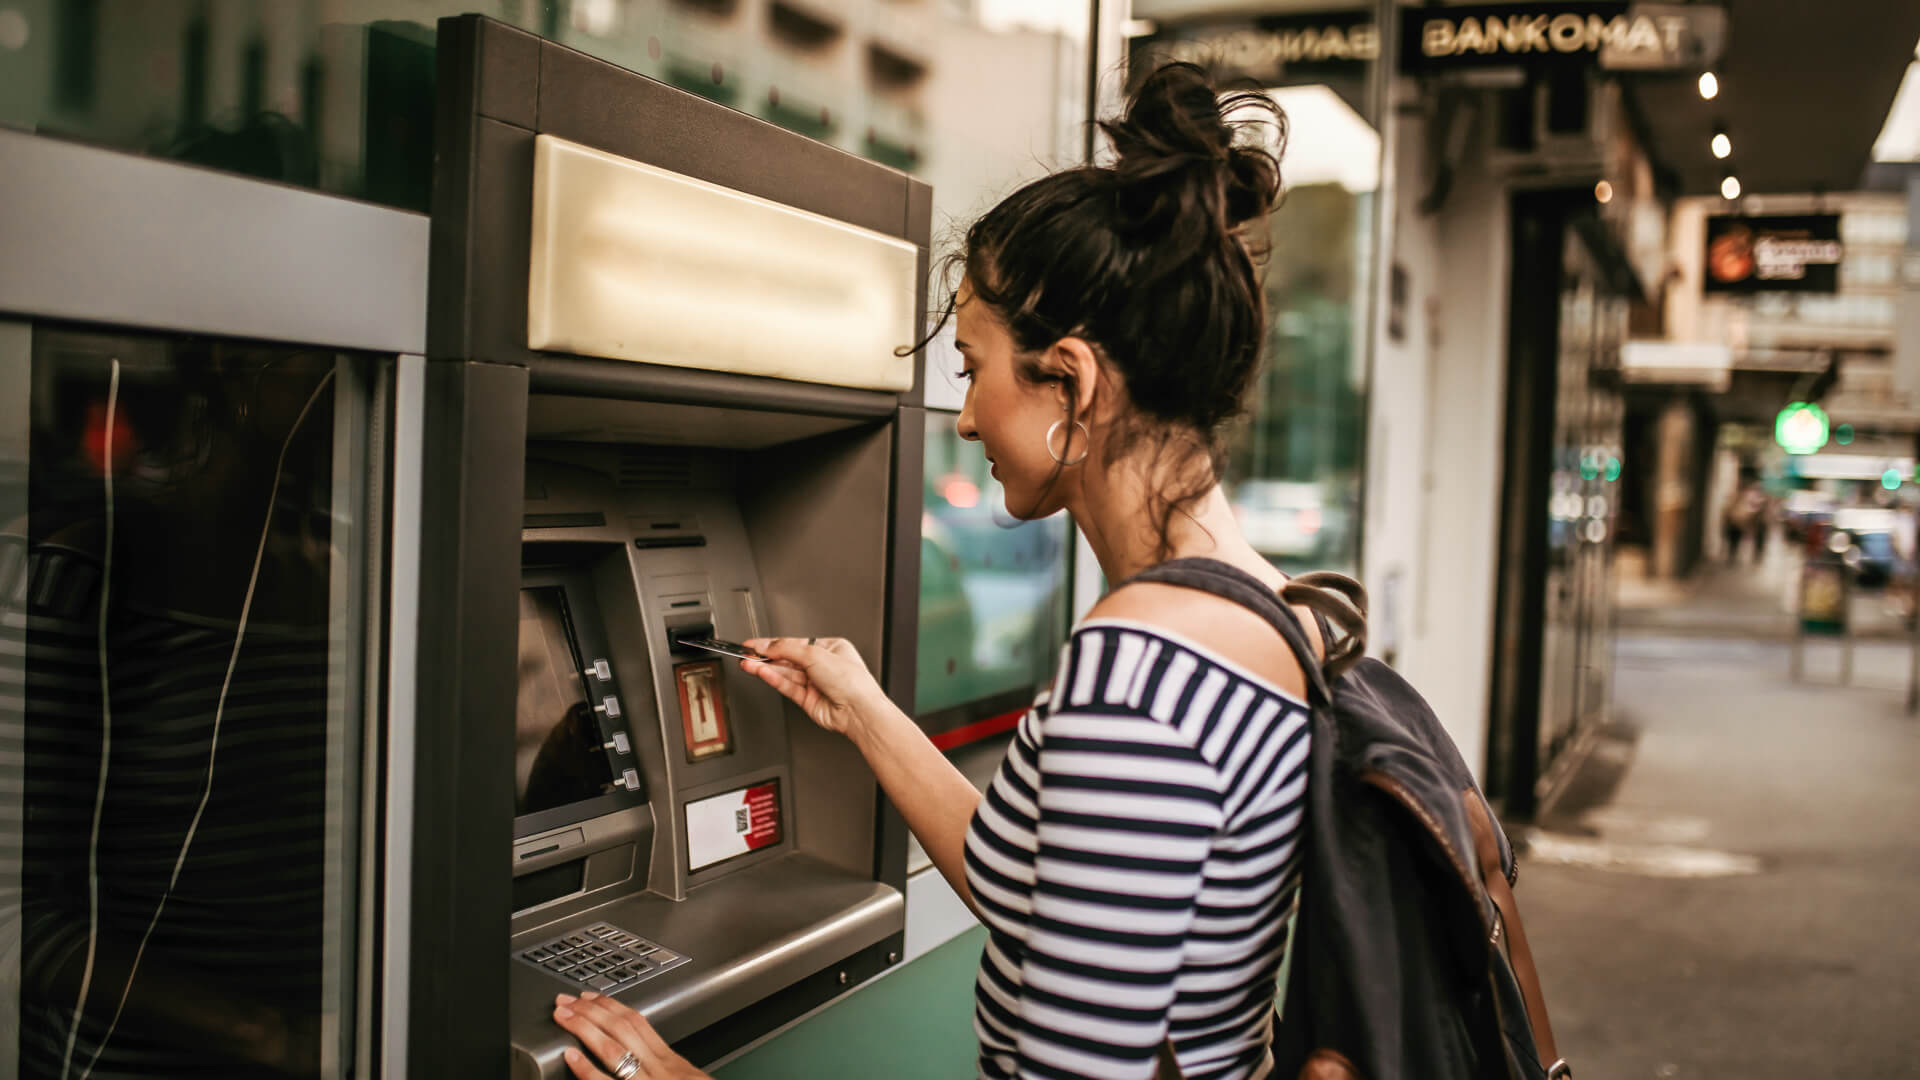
1399 966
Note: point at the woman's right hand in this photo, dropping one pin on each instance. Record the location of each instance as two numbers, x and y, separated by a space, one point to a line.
824 676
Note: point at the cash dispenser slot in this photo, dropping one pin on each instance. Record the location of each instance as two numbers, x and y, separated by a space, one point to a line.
744 858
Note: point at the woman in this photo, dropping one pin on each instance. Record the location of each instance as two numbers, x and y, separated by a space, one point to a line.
1135 857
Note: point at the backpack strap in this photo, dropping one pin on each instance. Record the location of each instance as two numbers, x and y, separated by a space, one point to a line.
1341 600
1229 582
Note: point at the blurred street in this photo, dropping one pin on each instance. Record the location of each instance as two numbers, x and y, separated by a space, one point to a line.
1745 601
1727 887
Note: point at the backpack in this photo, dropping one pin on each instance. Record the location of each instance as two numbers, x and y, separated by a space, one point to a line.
1401 963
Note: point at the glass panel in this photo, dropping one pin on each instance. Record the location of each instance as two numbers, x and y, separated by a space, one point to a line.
1295 471
182 592
1296 464
1576 649
340 97
992 590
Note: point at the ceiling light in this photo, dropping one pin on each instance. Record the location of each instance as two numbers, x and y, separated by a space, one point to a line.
1722 146
1603 191
1709 86
1730 188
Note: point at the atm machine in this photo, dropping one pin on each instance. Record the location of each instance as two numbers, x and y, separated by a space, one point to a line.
670 393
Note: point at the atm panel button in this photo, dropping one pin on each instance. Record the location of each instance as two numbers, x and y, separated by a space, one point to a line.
612 705
620 743
602 671
601 983
538 956
575 940
602 930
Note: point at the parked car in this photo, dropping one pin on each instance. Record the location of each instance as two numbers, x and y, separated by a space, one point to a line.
1802 509
1290 519
1864 538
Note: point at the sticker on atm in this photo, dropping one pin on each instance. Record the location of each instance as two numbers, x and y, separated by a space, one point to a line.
726 826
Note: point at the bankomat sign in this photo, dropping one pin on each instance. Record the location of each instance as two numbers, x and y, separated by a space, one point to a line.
1615 35
1619 36
1799 253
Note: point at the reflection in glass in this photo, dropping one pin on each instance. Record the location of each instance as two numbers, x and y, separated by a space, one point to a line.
992 589
340 97
558 757
182 618
1295 468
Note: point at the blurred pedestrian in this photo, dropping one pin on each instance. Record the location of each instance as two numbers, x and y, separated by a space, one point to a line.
1762 523
1733 526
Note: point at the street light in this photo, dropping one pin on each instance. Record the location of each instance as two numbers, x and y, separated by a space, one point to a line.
1709 86
1722 146
1603 192
1730 188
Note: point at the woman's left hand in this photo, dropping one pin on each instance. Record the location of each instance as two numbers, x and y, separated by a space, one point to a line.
611 1032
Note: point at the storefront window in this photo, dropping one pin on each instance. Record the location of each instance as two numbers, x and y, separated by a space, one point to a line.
182 669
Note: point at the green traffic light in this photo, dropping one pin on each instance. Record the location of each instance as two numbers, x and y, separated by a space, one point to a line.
1801 428
1890 479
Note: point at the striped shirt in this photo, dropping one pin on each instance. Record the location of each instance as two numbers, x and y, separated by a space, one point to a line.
1134 861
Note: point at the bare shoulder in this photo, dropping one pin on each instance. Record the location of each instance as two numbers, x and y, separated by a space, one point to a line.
1216 624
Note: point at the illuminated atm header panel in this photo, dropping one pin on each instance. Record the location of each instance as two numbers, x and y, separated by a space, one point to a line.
634 262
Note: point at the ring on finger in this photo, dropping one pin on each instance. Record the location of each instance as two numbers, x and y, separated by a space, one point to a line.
813 641
626 1067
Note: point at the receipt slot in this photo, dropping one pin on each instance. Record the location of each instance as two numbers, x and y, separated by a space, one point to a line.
668 395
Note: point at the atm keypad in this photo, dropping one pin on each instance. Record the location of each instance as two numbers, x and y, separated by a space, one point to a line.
601 957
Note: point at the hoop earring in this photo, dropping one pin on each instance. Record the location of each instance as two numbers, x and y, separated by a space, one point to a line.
1086 438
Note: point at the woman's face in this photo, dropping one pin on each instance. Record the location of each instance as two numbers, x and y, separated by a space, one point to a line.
1009 415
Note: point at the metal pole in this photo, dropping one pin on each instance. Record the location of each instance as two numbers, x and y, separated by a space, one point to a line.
1913 623
1799 622
1846 625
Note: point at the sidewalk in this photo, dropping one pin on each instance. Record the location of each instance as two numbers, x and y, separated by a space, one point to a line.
1728 887
1744 601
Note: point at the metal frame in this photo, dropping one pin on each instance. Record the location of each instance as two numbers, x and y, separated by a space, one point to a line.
403 621
138 242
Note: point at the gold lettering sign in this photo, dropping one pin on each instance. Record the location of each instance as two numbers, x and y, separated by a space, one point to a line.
1567 32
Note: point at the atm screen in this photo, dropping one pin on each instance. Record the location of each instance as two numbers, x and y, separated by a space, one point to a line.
559 756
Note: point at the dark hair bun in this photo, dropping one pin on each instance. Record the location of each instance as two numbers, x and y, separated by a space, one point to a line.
1153 261
1182 161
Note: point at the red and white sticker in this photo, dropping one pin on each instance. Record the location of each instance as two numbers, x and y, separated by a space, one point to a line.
721 827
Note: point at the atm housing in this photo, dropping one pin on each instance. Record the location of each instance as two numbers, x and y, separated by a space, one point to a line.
658 502
652 541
